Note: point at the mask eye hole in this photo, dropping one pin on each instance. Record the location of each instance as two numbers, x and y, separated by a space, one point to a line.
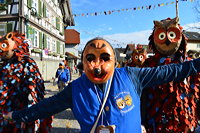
3 45
141 57
162 36
105 57
90 57
136 57
172 35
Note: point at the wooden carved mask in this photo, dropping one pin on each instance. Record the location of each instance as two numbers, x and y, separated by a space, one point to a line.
6 46
167 36
139 55
14 44
98 61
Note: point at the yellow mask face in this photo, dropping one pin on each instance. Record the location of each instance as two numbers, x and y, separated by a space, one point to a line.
98 61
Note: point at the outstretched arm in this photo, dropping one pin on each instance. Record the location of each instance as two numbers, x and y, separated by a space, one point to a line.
45 108
148 77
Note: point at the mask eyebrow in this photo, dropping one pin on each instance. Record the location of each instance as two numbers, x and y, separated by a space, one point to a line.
97 47
93 45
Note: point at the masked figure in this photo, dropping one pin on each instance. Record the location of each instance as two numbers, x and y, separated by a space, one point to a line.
105 98
21 84
193 54
170 107
139 56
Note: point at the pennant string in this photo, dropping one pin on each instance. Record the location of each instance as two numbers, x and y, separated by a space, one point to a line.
127 9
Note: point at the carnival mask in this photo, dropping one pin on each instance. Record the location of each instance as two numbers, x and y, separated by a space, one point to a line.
139 55
6 46
167 36
98 61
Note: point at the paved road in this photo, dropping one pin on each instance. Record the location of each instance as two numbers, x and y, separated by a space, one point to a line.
63 122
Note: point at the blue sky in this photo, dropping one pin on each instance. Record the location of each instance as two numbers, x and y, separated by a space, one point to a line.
128 26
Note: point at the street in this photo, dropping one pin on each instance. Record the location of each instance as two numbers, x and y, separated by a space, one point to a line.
63 122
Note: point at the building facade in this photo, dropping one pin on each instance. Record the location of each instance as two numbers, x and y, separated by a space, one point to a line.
193 42
72 40
43 22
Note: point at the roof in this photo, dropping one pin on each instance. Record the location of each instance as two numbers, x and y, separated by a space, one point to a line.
72 36
72 55
66 11
194 36
120 50
129 46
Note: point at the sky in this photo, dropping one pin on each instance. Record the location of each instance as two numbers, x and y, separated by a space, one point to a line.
127 25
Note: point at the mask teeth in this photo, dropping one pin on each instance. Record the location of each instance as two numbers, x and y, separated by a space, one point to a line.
1 50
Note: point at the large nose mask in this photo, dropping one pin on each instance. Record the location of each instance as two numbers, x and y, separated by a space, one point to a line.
97 61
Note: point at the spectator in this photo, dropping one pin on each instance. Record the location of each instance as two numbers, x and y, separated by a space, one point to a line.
80 68
68 67
63 76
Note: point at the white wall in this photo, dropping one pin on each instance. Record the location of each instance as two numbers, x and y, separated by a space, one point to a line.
47 67
193 46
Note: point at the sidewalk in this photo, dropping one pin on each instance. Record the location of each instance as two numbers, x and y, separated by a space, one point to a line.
63 122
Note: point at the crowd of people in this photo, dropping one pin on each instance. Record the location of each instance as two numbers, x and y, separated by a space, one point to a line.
153 95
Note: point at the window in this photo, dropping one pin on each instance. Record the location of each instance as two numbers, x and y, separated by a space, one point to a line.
198 45
35 44
35 4
53 20
58 46
48 43
2 29
53 45
14 10
61 49
30 35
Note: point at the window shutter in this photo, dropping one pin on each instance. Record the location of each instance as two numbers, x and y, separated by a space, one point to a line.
40 8
63 48
44 10
30 32
9 27
45 41
58 46
29 3
40 40
57 23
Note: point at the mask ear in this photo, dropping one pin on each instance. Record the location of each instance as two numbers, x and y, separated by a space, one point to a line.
9 35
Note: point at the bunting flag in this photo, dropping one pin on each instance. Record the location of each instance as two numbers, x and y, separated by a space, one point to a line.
148 7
